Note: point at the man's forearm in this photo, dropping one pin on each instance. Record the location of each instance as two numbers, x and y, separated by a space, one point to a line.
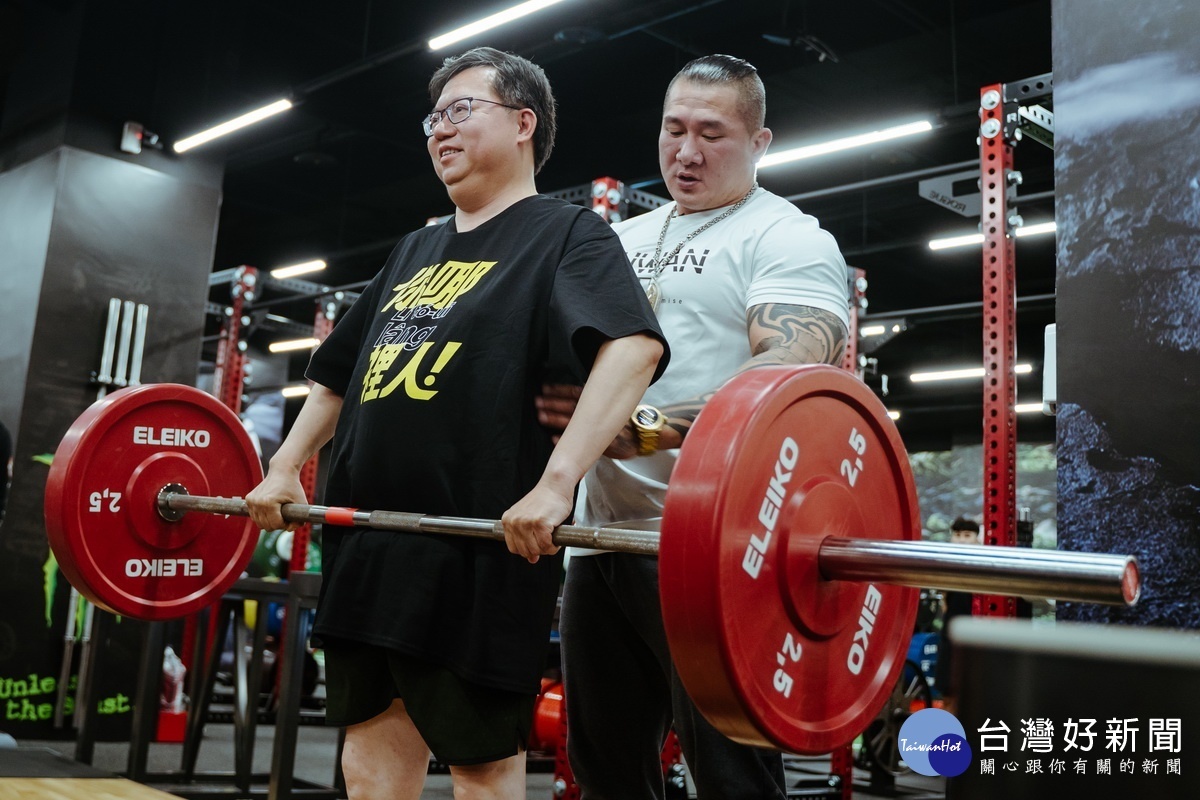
779 335
618 380
314 426
681 415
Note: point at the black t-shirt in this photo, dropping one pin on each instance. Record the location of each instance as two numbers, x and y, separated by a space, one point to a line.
438 363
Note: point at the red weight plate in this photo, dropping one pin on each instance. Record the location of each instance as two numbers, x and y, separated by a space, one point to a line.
773 654
547 717
101 501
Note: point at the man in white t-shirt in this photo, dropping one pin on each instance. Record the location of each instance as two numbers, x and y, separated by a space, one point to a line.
741 279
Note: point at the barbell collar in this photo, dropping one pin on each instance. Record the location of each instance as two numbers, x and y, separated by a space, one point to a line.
1012 571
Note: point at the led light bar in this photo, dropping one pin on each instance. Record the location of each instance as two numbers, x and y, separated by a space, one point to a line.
298 269
232 125
960 374
977 238
487 23
878 330
846 143
293 344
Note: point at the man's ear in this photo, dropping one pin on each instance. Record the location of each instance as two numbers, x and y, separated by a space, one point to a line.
526 124
761 141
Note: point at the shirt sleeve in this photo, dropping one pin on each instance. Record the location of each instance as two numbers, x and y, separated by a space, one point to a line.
332 363
597 297
796 262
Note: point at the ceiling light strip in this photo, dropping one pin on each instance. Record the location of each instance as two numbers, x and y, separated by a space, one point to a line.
960 374
232 125
293 344
298 269
487 23
977 238
845 143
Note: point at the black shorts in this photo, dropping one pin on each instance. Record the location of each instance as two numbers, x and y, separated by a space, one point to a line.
462 722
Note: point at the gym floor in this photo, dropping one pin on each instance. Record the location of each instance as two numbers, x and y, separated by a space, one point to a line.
314 762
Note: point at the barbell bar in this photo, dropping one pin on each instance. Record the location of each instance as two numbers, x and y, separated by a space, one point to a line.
788 555
1014 571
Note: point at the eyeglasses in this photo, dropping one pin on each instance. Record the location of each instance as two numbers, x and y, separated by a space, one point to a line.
457 111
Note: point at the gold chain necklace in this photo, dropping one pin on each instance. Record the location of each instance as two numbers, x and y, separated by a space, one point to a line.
653 291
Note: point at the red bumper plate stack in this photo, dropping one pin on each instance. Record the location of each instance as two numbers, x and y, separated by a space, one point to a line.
774 654
101 509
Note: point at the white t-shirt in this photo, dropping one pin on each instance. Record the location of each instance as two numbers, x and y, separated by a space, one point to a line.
766 252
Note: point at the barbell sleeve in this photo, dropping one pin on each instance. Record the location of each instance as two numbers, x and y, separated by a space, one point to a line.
1009 571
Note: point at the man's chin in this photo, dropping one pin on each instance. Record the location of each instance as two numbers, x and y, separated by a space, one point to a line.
689 190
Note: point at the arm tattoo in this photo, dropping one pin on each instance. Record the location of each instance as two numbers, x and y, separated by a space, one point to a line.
795 334
780 334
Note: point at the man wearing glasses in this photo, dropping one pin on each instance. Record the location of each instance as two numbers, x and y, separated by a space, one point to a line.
741 279
426 386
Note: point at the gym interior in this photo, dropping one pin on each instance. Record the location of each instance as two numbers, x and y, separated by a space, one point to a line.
1013 186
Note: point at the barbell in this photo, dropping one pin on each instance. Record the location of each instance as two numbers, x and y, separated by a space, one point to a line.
788 552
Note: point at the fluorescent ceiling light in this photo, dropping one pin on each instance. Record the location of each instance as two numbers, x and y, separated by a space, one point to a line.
1028 408
977 238
950 242
232 125
487 23
1034 230
298 269
894 415
809 151
302 391
878 330
293 344
960 374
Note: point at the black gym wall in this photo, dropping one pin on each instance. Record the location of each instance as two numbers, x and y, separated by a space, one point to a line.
1127 119
80 223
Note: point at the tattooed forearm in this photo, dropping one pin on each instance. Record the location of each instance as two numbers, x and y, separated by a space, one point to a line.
680 416
787 334
779 334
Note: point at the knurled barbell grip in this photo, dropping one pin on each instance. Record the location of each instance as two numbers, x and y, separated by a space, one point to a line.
1014 571
618 539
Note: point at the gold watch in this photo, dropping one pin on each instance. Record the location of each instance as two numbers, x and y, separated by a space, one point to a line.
647 422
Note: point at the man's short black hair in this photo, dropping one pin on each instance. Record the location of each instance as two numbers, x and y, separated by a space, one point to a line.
518 82
964 524
718 69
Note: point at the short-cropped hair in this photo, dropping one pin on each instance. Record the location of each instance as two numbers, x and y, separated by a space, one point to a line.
741 74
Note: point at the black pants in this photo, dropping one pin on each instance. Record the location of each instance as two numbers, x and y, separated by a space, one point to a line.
622 694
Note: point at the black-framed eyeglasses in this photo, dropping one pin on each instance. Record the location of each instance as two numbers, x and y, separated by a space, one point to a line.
457 111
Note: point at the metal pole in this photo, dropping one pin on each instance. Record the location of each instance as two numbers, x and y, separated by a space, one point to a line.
119 378
105 377
139 344
64 672
171 505
1008 571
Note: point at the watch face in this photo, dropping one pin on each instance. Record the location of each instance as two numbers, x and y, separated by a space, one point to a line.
647 416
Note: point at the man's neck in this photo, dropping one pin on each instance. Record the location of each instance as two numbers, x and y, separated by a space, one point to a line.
681 210
471 212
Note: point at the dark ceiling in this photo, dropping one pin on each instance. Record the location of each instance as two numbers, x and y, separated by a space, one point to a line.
345 173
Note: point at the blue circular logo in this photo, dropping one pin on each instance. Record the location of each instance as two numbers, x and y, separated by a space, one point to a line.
933 742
